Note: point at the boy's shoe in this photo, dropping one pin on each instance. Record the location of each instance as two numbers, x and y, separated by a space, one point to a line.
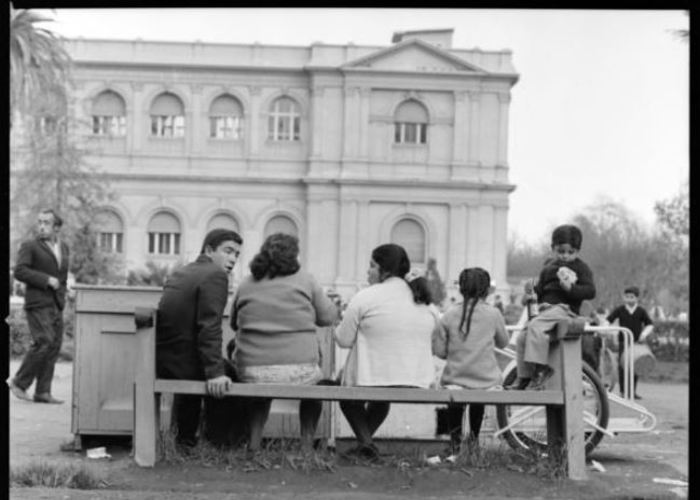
518 384
637 396
540 378
17 390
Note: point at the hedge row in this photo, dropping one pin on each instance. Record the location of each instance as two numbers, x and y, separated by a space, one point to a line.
20 338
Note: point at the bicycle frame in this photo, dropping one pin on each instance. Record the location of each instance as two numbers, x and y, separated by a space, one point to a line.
646 420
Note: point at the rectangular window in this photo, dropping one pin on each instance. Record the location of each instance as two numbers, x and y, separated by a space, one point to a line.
284 128
164 243
109 125
225 127
167 125
110 242
410 133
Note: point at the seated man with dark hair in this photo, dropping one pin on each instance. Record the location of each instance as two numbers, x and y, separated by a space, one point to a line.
189 328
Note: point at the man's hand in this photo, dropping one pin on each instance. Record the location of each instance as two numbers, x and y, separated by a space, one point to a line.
53 283
218 386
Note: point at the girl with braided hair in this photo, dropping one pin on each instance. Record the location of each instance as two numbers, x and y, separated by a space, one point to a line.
468 335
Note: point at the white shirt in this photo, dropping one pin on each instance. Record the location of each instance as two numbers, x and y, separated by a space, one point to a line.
390 336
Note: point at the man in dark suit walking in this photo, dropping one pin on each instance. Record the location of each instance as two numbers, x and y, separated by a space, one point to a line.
42 265
189 333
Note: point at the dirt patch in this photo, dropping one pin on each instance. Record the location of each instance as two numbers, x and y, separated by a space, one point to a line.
631 463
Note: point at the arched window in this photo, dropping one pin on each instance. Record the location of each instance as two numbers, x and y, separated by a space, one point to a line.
167 116
285 120
280 224
226 118
411 123
223 221
164 234
108 114
410 234
110 233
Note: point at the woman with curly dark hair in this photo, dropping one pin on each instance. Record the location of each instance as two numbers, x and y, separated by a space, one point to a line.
275 314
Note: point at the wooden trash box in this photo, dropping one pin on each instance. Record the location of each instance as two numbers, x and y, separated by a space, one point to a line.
105 357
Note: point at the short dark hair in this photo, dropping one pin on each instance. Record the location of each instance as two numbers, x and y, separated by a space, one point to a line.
392 259
216 237
567 233
278 256
634 290
57 220
421 290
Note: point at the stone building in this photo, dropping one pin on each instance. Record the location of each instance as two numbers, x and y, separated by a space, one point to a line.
346 146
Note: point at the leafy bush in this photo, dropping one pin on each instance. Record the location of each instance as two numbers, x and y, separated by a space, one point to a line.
670 340
21 338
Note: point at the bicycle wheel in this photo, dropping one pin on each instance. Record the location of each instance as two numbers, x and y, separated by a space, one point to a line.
530 429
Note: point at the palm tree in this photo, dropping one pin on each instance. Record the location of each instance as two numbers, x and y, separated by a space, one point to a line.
39 65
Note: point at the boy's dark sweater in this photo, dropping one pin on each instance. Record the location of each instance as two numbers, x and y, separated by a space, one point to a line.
549 290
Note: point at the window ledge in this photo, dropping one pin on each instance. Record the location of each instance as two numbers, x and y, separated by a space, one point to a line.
409 145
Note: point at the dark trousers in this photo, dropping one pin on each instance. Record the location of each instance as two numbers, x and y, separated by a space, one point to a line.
46 329
455 414
224 421
187 409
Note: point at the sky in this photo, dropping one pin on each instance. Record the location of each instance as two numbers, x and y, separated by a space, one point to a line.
601 110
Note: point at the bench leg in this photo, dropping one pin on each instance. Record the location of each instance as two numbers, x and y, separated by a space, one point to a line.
573 409
146 413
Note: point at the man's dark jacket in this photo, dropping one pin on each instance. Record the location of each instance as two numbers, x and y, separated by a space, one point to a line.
36 262
188 326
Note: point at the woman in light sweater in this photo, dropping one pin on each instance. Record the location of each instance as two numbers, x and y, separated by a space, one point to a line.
275 313
389 335
468 335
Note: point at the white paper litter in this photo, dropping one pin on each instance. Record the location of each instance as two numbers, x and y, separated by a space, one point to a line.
597 466
100 452
672 482
433 460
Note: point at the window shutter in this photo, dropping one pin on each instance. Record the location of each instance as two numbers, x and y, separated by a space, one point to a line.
223 221
109 222
226 105
108 103
164 222
411 112
410 235
167 104
281 224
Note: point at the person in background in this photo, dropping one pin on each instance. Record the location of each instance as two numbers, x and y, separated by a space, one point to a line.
42 265
435 283
388 334
275 313
189 333
468 336
564 283
423 294
634 317
498 304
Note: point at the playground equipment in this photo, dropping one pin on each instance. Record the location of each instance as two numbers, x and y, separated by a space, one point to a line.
604 412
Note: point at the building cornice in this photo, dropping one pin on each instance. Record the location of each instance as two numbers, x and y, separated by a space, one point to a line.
417 183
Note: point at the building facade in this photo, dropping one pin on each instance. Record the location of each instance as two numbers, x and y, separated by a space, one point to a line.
346 146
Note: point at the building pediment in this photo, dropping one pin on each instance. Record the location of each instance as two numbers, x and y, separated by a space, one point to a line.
415 56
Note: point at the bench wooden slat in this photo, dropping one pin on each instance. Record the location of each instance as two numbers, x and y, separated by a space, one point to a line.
395 395
564 405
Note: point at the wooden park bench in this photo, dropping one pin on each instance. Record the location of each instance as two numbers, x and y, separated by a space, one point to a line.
562 398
